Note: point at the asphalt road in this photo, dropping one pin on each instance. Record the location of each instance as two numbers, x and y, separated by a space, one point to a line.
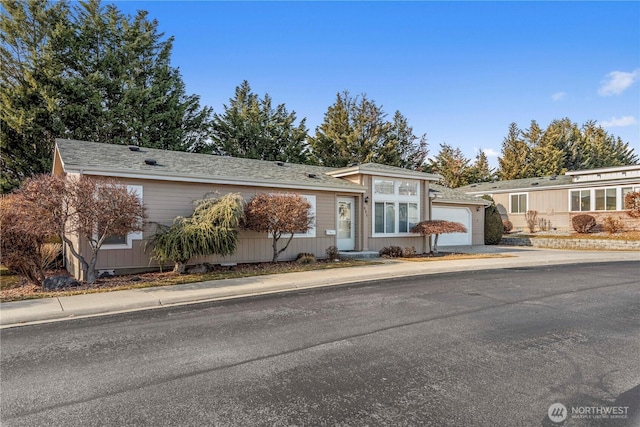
489 348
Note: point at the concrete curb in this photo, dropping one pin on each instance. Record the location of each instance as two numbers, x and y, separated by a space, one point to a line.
21 313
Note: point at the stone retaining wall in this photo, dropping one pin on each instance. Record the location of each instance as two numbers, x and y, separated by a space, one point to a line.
555 243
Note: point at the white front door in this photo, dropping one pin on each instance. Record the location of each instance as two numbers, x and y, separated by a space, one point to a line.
346 221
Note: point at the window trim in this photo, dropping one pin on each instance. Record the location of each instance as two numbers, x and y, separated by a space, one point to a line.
394 199
138 235
592 195
312 230
526 201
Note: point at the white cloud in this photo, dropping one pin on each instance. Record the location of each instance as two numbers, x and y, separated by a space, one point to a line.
617 82
558 96
619 122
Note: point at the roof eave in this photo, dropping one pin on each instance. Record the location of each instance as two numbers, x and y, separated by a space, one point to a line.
207 179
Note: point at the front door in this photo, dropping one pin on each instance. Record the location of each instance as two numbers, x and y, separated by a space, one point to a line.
346 221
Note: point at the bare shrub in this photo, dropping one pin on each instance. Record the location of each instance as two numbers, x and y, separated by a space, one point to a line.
532 218
632 204
507 226
333 253
409 252
305 258
391 252
583 223
612 225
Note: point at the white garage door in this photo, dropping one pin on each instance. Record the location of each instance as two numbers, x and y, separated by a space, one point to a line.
461 215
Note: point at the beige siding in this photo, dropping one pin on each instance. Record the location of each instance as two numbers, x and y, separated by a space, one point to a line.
164 201
552 205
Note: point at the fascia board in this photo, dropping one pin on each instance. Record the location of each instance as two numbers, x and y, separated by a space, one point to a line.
207 180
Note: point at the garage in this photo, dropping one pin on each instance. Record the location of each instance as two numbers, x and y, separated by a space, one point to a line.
455 214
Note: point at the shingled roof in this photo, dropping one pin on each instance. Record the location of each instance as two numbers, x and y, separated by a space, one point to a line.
516 184
112 160
450 195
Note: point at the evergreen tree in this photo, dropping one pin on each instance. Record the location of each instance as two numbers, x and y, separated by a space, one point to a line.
355 130
548 148
401 147
251 128
87 72
480 171
514 163
598 149
452 165
27 122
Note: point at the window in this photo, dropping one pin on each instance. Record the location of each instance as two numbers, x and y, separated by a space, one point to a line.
580 200
518 203
396 206
124 242
606 199
408 216
312 230
384 186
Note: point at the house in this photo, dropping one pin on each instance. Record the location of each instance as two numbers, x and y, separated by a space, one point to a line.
597 192
358 208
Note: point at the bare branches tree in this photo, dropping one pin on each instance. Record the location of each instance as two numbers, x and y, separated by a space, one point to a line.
86 208
278 215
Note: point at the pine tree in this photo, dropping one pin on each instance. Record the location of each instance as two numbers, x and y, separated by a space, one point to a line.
401 147
480 171
514 163
452 165
87 72
355 130
251 128
28 124
548 148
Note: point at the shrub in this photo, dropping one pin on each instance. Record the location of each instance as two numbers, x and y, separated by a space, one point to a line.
391 252
409 252
531 217
23 247
583 223
632 204
333 254
304 258
612 225
544 224
507 226
493 227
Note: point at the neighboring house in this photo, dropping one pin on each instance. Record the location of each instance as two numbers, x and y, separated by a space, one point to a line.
598 192
358 208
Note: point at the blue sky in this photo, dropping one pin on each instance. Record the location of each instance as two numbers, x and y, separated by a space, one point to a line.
460 72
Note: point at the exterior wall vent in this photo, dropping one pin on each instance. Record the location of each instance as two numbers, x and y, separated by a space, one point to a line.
150 162
134 148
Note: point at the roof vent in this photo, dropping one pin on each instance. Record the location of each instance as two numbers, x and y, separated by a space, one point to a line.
553 177
150 162
353 164
312 175
535 183
474 185
280 163
134 148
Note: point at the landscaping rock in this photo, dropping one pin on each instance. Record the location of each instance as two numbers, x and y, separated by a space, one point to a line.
198 269
59 282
